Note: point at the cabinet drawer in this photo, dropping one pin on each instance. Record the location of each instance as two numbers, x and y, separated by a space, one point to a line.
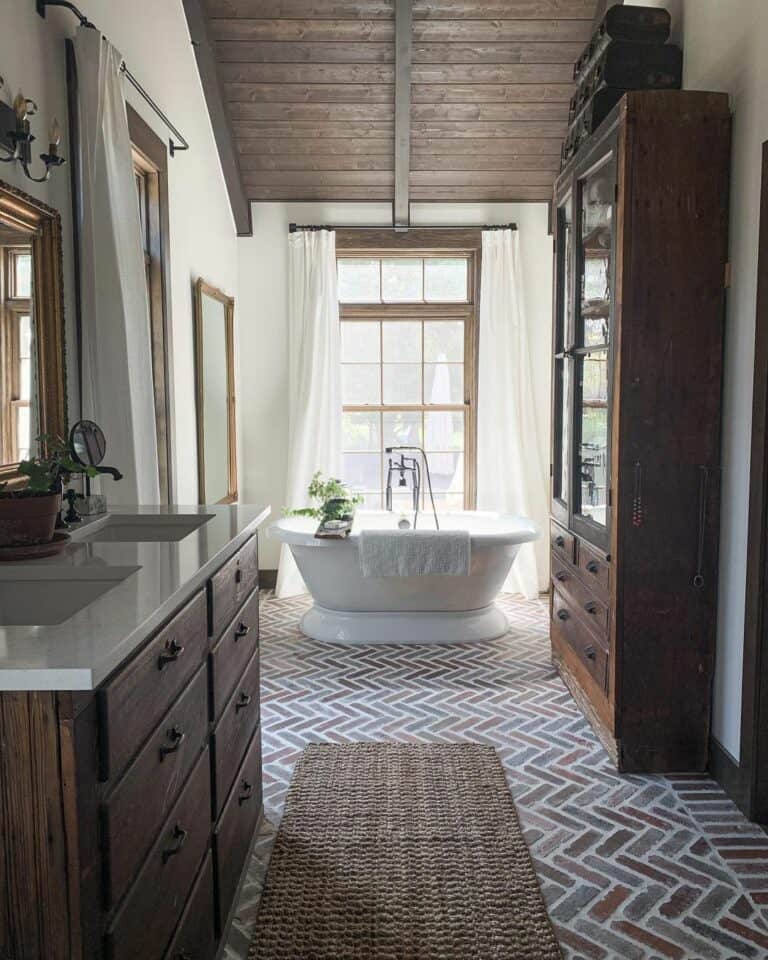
132 703
232 584
588 602
139 804
144 924
589 650
195 937
562 541
230 655
595 568
234 731
233 836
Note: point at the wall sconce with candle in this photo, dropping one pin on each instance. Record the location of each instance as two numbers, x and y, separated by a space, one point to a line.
16 137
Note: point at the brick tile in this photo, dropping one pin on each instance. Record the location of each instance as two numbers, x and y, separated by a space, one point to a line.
664 947
610 903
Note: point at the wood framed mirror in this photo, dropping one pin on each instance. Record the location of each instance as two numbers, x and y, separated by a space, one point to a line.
33 390
215 393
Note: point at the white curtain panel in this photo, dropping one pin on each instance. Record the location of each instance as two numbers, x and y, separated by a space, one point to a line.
511 474
117 389
314 377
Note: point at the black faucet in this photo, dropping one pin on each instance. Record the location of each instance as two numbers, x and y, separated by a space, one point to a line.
410 465
112 471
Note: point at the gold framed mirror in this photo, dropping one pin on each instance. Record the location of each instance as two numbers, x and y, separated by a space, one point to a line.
33 390
215 395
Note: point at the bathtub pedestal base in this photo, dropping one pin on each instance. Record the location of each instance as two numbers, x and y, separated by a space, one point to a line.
462 626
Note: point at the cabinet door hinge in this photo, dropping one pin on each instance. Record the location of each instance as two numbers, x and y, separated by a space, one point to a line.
551 470
610 497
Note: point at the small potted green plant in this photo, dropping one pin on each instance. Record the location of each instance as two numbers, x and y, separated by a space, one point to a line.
331 501
28 511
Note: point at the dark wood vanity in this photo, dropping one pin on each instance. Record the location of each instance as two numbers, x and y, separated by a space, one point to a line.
641 224
127 813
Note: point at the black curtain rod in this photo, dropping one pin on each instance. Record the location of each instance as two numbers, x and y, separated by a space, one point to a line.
85 22
295 227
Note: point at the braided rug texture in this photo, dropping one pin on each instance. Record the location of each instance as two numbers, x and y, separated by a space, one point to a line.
391 851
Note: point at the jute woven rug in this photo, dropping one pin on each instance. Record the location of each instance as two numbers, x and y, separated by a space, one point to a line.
391 851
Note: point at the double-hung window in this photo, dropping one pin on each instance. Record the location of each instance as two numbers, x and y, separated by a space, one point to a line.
408 351
16 350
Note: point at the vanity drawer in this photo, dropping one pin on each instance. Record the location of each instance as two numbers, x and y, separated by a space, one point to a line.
195 937
590 604
234 833
590 651
231 654
561 540
234 731
232 584
144 924
132 703
596 571
137 807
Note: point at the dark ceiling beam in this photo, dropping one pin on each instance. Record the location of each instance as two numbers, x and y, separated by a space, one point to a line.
403 56
197 21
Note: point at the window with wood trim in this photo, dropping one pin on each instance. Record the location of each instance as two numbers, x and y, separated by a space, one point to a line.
16 350
408 332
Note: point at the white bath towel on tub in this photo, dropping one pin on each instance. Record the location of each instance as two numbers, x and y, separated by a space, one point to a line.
414 553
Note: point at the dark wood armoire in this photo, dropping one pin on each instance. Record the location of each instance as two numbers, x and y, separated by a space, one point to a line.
641 241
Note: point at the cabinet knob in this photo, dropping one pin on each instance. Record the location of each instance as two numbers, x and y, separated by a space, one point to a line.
593 566
242 631
178 835
561 575
243 700
238 575
591 607
173 650
560 541
563 615
176 738
590 652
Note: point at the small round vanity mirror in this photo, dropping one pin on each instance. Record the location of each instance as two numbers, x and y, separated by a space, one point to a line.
88 443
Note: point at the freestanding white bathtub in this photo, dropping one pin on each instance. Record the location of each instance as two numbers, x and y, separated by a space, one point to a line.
351 608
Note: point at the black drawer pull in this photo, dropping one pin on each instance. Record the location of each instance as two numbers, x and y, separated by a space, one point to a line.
179 834
563 615
591 607
176 737
246 794
242 631
173 650
242 701
590 652
560 541
561 575
593 566
238 575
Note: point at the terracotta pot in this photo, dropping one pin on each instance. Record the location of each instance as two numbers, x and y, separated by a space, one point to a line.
28 520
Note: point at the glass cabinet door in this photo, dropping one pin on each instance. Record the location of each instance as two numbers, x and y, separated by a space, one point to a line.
563 364
592 352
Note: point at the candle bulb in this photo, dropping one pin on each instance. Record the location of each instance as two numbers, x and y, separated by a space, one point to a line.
20 108
54 138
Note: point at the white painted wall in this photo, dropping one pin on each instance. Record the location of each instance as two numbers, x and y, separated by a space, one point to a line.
263 353
153 38
726 48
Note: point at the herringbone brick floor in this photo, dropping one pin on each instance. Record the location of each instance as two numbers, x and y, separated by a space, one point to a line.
631 867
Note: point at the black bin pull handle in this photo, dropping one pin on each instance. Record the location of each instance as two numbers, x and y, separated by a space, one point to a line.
561 575
242 631
591 607
173 650
563 615
593 566
590 652
246 794
560 541
178 835
176 737
242 701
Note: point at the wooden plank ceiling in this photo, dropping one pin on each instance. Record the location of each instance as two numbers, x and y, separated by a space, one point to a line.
309 87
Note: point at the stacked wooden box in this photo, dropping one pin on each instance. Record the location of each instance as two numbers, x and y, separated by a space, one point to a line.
628 51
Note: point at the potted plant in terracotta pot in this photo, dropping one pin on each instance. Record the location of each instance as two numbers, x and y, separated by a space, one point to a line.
28 512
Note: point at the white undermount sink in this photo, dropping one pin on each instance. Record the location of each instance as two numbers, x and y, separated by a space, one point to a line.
46 595
143 528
